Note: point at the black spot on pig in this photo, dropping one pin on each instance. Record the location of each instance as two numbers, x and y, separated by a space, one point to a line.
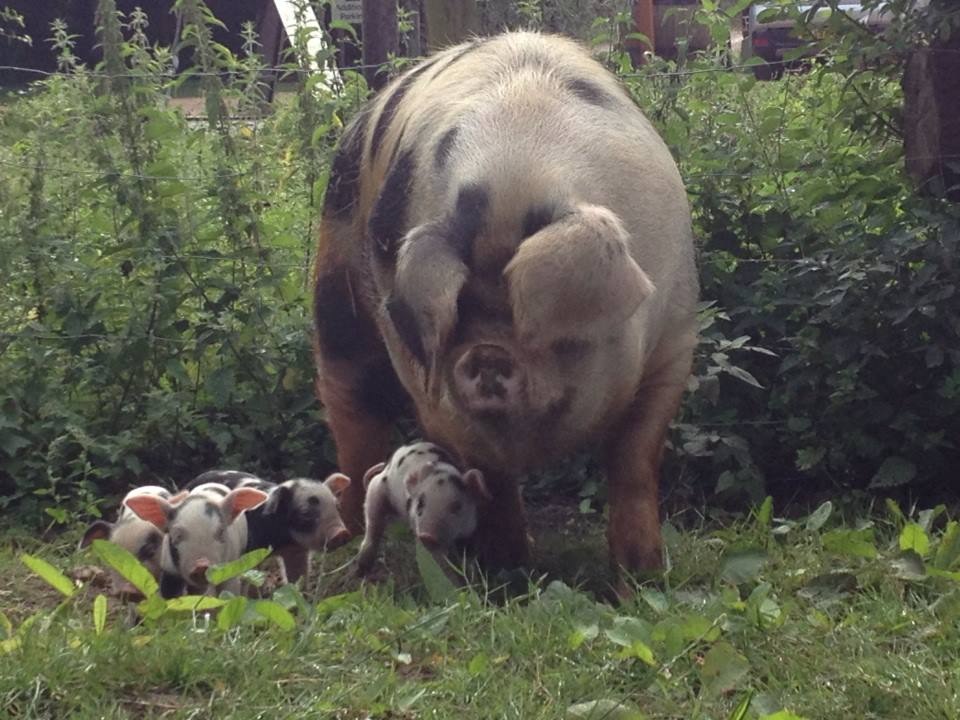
468 221
536 219
405 322
343 188
589 92
388 220
378 391
442 152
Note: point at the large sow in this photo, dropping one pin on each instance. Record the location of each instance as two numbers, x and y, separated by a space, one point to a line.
506 242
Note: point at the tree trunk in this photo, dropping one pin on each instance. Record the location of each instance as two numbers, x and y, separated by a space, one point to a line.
379 40
931 88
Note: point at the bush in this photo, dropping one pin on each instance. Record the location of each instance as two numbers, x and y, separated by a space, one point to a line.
154 319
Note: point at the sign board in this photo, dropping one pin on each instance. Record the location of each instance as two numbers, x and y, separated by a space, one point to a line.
349 10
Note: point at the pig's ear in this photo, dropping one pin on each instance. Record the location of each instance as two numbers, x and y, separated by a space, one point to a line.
337 482
98 530
476 485
155 510
243 498
279 502
178 498
423 305
572 273
368 475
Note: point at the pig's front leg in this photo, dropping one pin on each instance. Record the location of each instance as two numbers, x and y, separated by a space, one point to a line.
362 437
501 536
377 513
633 471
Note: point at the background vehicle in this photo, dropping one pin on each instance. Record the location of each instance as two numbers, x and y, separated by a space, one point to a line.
771 30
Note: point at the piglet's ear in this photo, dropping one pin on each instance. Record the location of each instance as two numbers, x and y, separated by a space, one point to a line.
244 498
279 502
98 530
179 497
476 485
368 475
337 482
155 510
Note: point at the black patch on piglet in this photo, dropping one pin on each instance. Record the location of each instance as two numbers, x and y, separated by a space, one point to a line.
171 586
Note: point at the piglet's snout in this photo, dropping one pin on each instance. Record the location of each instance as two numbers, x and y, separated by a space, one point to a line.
198 576
487 379
337 538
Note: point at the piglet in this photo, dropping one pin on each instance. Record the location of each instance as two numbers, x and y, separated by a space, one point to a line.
138 537
299 517
420 483
208 527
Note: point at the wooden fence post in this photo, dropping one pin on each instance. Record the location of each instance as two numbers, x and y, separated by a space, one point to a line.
379 40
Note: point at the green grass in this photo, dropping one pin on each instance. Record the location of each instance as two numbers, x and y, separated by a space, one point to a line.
753 611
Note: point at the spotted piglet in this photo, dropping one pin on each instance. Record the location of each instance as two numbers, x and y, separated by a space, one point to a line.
208 527
138 537
420 483
299 517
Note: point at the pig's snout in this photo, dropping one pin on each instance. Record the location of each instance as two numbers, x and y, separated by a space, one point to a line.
198 576
337 538
487 379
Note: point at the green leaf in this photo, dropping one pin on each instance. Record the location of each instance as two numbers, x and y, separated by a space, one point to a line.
764 514
656 600
894 471
912 537
53 577
582 634
231 613
5 625
220 384
478 664
194 603
819 517
857 543
742 566
127 565
626 631
275 613
219 574
723 668
604 710
949 548
438 585
640 650
99 614
153 607
895 512
782 715
909 566
329 605
740 711
809 457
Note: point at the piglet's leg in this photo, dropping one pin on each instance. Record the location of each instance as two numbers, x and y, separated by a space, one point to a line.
501 535
295 561
633 460
377 512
